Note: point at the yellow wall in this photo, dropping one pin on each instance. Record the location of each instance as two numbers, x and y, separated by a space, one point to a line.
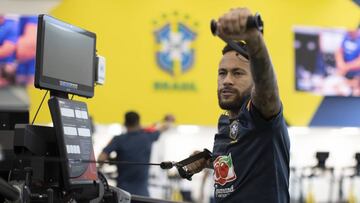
125 37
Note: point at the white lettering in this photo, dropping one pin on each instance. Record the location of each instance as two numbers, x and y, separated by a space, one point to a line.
224 192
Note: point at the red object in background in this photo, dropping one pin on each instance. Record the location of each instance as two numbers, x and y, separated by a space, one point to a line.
153 128
150 129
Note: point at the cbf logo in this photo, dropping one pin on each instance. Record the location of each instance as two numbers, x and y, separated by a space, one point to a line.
175 51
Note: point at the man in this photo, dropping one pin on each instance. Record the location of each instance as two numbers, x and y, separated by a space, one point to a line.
251 148
348 55
8 39
26 50
133 146
348 60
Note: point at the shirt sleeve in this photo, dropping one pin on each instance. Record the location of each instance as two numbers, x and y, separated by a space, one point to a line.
113 145
154 136
12 32
260 121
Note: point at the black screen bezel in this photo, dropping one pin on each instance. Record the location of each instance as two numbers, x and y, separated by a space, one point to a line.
44 82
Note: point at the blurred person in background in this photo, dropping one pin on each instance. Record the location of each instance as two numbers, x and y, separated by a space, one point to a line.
251 149
348 59
168 118
348 55
8 39
133 146
26 50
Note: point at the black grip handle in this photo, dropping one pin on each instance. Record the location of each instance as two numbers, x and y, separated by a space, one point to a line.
166 165
252 22
213 26
206 154
181 166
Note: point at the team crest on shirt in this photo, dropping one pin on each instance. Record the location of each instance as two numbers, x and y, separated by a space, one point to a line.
224 170
234 128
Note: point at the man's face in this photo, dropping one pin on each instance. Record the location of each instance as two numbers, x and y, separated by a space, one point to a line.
234 80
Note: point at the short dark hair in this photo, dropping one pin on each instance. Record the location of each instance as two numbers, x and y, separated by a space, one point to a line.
132 119
228 48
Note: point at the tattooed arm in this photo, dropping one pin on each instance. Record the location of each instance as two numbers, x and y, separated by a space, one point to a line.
265 94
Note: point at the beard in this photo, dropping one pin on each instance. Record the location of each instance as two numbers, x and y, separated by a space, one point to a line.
235 102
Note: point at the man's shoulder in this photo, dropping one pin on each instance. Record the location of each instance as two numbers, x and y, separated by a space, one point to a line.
223 121
120 136
223 118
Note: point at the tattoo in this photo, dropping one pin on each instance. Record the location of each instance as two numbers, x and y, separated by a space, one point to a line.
265 94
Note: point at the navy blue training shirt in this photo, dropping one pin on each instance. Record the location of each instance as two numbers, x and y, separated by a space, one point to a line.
133 147
251 158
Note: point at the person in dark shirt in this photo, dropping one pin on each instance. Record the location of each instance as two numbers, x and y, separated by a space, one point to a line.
133 146
251 149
